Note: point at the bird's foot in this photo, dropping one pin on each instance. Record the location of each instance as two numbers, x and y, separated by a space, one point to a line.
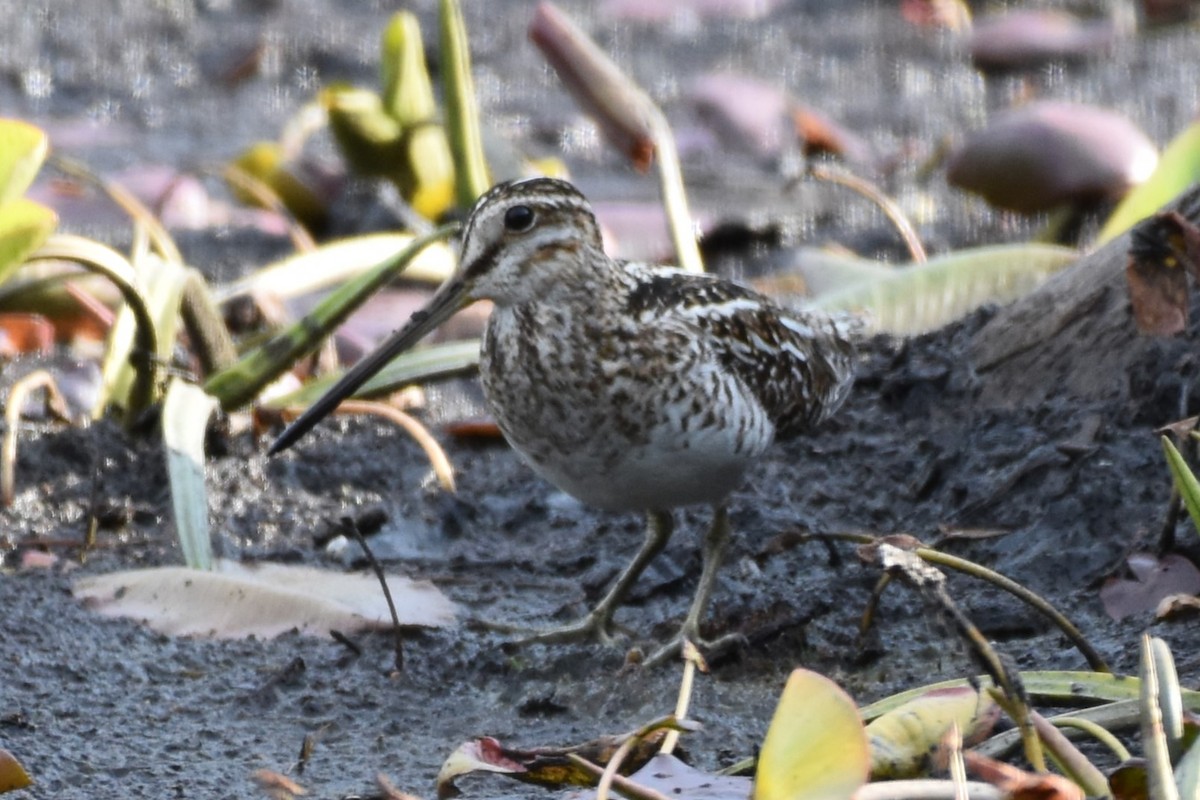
593 626
709 648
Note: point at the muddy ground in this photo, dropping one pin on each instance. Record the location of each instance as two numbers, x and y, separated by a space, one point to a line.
1064 482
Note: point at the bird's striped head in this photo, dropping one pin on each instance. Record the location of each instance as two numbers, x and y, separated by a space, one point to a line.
523 241
525 238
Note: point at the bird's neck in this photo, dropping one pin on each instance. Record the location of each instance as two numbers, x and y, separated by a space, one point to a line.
580 279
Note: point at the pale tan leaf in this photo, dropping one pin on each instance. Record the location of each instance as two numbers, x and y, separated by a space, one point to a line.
237 600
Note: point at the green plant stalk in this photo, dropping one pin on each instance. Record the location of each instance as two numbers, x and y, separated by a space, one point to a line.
971 568
1160 779
1019 712
1097 732
1069 759
922 297
1178 167
97 258
1170 701
242 382
1007 584
1056 686
205 325
1185 481
407 91
337 262
462 112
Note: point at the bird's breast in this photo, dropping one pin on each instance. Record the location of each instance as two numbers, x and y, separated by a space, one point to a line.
621 416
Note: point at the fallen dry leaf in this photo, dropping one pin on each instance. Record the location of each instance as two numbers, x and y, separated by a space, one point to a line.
1018 784
237 600
542 766
1153 579
1178 606
1162 250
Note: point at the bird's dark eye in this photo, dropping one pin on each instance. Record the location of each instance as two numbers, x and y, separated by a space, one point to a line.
519 219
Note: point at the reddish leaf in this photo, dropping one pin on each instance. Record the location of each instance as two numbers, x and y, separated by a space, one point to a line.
543 766
1030 37
1162 250
1047 153
1158 292
661 11
25 333
1016 784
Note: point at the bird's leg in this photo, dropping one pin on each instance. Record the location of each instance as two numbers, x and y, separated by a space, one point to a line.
595 624
713 551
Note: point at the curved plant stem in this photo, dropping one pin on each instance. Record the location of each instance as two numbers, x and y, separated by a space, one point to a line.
433 451
159 238
267 197
1066 755
38 379
886 204
692 661
609 775
95 257
1097 732
674 195
1094 659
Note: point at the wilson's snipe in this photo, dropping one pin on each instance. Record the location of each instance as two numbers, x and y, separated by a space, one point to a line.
627 386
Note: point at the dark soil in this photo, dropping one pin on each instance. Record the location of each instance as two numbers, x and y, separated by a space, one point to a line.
1064 482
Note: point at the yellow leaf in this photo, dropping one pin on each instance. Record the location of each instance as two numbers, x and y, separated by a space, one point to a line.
815 748
903 739
12 774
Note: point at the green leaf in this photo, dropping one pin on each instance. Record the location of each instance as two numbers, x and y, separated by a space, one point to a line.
242 382
1159 776
1185 481
815 748
23 148
1178 168
462 113
903 739
368 137
185 415
924 297
24 227
426 174
132 344
415 366
1187 773
407 88
1057 687
124 374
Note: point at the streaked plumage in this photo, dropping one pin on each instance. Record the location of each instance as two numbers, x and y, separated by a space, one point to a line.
627 386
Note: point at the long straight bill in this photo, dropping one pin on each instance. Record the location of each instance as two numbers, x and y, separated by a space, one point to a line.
448 299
